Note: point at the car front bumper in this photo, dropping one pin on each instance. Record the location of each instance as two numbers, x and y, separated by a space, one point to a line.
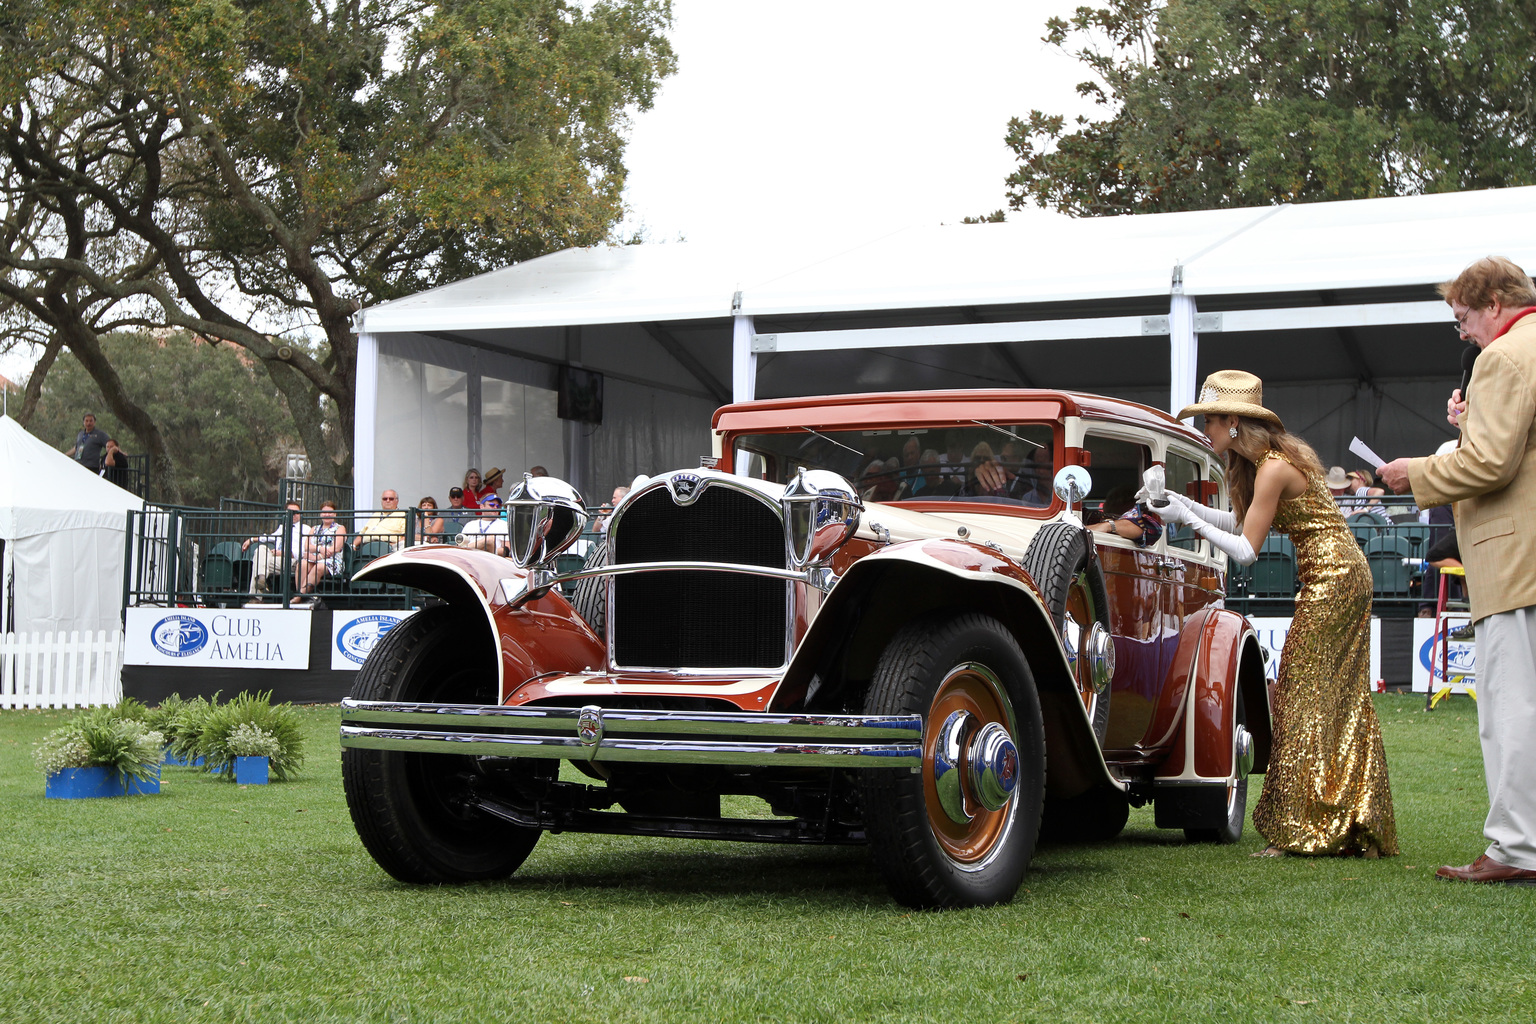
595 733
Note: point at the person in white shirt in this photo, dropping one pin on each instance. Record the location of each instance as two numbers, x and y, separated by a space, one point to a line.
267 559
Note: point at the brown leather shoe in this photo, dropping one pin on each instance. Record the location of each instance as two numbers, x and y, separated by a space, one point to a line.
1486 869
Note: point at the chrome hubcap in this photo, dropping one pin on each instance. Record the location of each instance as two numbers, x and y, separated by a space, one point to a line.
975 766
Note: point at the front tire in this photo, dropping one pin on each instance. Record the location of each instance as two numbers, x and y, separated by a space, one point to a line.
415 812
953 850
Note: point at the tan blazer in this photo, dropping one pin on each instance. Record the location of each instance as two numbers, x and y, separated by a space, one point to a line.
1492 476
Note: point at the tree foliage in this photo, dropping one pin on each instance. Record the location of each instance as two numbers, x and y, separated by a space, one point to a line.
256 170
221 416
1224 103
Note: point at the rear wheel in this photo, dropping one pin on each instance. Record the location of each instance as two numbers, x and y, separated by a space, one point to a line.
1231 830
415 812
961 831
1060 562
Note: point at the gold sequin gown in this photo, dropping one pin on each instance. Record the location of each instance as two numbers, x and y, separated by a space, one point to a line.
1326 788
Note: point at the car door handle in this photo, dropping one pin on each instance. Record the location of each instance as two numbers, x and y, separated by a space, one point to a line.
1167 567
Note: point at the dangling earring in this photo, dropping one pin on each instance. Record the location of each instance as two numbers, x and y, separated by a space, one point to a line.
1232 431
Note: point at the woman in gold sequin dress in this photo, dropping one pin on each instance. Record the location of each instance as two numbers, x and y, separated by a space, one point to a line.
1326 788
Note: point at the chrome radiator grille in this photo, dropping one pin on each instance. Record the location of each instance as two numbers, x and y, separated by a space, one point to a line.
689 619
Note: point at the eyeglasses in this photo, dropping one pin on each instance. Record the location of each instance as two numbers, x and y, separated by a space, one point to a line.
388 498
1461 321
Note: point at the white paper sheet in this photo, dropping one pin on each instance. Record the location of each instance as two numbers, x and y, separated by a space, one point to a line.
1363 450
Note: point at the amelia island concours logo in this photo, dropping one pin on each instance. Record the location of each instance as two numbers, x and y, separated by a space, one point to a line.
178 636
359 636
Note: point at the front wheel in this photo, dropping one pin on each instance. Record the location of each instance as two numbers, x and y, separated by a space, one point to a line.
415 813
960 832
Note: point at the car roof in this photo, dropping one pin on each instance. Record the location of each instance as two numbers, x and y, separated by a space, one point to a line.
894 408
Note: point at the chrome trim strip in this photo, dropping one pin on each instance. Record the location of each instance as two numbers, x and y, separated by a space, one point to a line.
890 728
794 575
869 755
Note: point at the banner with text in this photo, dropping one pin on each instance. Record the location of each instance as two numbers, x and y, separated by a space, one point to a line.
1272 632
353 635
217 637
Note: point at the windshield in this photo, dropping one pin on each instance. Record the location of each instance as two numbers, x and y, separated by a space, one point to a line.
1003 463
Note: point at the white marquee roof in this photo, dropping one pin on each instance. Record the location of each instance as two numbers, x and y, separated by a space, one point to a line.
1037 257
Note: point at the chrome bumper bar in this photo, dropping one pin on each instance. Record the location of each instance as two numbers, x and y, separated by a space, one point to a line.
661 737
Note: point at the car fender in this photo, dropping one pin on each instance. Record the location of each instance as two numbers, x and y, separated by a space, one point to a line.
885 590
538 637
1218 653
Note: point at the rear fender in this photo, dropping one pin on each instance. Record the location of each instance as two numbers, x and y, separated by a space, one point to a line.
541 636
1218 654
884 591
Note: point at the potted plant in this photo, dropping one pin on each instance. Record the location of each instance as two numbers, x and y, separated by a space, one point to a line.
252 749
99 753
251 722
184 729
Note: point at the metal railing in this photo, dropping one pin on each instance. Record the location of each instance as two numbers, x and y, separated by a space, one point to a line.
252 556
132 476
310 494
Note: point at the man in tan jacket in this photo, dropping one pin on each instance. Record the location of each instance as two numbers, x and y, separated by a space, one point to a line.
1491 477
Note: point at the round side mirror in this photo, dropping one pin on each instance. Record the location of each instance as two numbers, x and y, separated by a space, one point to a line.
544 517
1072 484
821 513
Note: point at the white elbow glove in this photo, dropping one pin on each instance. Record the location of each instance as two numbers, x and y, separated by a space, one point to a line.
1235 545
1218 518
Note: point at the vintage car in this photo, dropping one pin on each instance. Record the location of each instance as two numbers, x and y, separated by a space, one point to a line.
882 614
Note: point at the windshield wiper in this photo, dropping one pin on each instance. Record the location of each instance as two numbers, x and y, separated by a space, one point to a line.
1005 430
833 440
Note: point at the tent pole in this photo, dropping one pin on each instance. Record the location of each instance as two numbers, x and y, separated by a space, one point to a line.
743 359
1183 346
365 412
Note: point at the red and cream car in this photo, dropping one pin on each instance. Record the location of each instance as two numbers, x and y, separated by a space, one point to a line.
881 614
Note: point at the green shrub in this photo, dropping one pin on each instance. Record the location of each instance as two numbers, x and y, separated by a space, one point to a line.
186 727
99 738
258 714
162 717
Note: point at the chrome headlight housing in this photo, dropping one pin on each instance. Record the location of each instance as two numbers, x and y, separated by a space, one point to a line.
544 517
821 512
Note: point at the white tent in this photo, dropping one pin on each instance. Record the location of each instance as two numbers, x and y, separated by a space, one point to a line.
1332 304
62 531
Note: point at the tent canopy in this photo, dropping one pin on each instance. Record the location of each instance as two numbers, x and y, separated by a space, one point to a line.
1332 304
62 530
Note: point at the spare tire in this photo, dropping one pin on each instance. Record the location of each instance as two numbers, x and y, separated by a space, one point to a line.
1061 562
591 597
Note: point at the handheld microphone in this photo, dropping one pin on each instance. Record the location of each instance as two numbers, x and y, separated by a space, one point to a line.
1468 357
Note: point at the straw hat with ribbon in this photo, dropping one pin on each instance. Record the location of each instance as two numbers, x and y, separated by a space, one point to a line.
1232 393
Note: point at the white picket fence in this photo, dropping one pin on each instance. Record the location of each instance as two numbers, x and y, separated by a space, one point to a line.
58 670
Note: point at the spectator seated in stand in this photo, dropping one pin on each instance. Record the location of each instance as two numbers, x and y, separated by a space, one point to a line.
430 526
325 551
114 462
489 531
388 525
267 559
470 492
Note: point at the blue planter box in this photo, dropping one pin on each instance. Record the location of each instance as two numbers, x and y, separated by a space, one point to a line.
83 783
251 771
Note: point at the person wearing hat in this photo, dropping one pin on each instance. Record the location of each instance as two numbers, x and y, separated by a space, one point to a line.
1337 481
494 478
1326 790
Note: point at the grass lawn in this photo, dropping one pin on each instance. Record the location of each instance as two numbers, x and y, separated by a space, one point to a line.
212 902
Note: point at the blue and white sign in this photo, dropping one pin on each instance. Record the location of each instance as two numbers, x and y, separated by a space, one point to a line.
354 634
1272 631
1453 664
217 637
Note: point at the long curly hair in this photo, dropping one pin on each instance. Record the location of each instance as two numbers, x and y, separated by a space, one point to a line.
1254 438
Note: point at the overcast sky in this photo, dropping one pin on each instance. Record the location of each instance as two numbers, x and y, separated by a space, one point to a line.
834 116
840 115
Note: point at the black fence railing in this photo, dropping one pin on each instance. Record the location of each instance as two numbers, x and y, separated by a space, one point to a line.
310 494
132 475
258 556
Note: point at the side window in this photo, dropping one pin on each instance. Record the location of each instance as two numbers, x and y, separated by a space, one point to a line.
1183 476
1116 469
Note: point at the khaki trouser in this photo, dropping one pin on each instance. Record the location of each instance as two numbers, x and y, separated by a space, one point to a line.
1506 723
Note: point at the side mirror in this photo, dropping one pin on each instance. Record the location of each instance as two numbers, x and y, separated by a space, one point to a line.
1072 484
544 517
821 513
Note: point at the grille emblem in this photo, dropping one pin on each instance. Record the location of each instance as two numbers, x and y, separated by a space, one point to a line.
589 725
685 487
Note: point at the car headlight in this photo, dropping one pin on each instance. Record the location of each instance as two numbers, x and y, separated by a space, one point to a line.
544 517
821 512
